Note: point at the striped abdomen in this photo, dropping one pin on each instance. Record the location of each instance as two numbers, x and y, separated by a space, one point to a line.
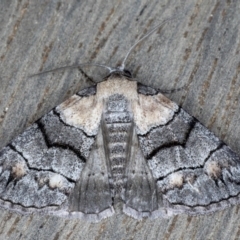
117 132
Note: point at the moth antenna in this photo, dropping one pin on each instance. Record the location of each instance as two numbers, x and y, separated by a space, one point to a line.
122 67
73 66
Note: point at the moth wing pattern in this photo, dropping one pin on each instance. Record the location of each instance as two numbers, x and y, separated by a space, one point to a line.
92 195
195 172
59 165
140 190
42 167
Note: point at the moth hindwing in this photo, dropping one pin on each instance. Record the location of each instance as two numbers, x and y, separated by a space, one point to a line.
118 140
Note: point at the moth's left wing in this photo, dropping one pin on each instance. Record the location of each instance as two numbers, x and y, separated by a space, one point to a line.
195 172
41 168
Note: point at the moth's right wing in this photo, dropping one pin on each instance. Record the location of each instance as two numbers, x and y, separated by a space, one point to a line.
140 189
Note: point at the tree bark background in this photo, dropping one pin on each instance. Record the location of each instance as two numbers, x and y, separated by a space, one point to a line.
198 49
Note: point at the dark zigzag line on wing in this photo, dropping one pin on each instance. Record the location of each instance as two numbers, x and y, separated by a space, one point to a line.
36 169
212 202
201 167
221 144
58 115
193 168
22 210
68 147
159 126
173 143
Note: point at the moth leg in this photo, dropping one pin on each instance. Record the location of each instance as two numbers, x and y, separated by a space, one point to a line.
92 193
140 194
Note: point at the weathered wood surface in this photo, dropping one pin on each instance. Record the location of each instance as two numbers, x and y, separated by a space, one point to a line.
199 49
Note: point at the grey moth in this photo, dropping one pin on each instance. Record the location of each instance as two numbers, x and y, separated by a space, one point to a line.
118 140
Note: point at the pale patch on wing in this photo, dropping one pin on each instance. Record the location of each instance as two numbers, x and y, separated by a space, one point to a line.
151 111
19 170
213 169
56 181
176 180
82 112
85 112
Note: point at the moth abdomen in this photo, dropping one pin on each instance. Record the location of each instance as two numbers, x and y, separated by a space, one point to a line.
117 122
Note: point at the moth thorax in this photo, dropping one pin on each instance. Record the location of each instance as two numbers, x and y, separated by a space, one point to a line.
118 122
117 103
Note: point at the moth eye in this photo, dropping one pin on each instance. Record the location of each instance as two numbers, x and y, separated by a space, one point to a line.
127 73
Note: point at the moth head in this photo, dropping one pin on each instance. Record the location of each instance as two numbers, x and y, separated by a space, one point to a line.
119 72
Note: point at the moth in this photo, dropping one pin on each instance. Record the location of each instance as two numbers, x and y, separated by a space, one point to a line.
118 140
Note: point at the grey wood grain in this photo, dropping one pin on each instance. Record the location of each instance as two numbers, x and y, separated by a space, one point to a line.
199 49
